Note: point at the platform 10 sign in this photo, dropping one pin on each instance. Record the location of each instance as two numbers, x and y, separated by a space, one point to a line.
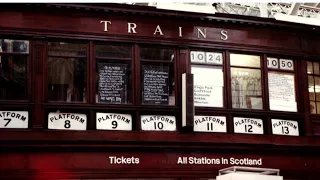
210 124
67 121
158 123
285 127
14 119
247 125
113 121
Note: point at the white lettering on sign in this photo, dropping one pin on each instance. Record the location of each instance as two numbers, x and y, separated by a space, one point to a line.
273 63
247 125
285 127
210 124
286 64
222 160
14 119
67 121
123 160
112 121
158 123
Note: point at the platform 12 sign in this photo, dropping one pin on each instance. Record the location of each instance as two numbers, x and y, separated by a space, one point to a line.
247 125
158 123
285 127
67 121
210 124
113 121
14 119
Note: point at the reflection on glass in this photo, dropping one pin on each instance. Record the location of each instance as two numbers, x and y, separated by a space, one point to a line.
311 87
313 109
13 77
113 51
316 68
10 45
309 68
67 49
67 79
244 60
246 88
157 84
156 54
318 107
113 82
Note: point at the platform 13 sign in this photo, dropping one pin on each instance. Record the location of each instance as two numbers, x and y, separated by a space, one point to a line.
67 121
14 119
210 124
113 121
247 125
285 127
158 123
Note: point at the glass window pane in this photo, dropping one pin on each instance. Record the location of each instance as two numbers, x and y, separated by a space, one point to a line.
244 60
311 88
309 67
157 84
67 79
113 51
10 45
318 107
208 85
246 88
313 108
113 82
317 82
156 54
13 77
67 49
316 68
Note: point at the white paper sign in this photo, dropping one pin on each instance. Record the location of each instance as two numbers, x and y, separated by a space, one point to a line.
210 124
285 127
198 56
273 63
112 121
158 123
208 86
14 119
247 125
286 64
67 121
282 95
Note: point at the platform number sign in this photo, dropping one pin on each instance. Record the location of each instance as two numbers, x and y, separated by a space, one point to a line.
210 124
114 121
284 64
67 121
14 119
158 123
285 127
247 125
206 57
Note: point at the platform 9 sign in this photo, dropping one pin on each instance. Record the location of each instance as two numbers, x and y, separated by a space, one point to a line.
158 123
67 121
14 119
113 121
247 125
285 127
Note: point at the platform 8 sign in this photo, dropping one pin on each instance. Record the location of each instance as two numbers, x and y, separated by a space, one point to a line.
285 127
158 123
67 121
113 121
14 119
210 124
247 125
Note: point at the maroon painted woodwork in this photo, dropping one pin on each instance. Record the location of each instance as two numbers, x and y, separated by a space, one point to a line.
38 153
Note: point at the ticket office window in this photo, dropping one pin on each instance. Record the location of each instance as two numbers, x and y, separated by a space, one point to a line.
314 86
281 84
14 69
207 69
157 72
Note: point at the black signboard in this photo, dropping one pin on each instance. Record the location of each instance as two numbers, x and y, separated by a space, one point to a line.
155 84
112 82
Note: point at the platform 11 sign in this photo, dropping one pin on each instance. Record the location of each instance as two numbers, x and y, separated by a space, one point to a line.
210 124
